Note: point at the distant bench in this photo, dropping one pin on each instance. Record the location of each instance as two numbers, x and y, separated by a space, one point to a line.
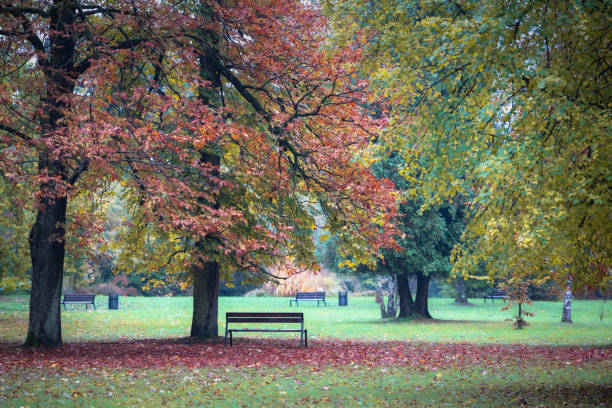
496 294
308 296
79 298
238 317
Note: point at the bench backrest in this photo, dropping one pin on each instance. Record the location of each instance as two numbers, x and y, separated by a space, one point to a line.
79 297
240 317
310 295
498 292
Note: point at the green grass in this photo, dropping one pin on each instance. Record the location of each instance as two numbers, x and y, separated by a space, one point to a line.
170 317
531 383
309 386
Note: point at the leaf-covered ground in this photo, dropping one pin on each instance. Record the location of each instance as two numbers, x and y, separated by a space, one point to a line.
137 356
334 373
155 354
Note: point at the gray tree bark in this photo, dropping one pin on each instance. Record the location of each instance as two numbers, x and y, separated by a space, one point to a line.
47 236
392 287
406 304
380 299
421 301
567 303
460 291
204 324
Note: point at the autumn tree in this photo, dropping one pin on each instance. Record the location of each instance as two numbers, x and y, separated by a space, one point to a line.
277 158
508 101
54 55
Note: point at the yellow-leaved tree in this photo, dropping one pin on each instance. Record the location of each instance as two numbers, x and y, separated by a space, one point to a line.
508 102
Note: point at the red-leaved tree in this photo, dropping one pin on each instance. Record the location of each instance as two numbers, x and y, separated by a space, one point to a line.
292 118
231 128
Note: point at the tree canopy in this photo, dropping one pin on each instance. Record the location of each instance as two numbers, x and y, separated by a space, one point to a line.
508 101
228 127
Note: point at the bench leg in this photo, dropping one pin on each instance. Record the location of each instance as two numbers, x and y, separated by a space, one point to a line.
94 305
230 332
306 338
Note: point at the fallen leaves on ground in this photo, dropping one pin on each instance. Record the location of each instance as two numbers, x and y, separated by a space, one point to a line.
156 353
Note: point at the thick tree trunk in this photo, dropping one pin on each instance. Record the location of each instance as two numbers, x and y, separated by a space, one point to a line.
47 236
47 253
567 303
406 304
461 291
391 308
204 323
422 296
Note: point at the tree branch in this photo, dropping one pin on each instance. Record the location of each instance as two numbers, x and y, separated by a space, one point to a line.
16 133
83 166
19 11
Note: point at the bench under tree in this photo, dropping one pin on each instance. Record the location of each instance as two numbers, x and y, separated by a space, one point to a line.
79 299
496 294
308 296
257 318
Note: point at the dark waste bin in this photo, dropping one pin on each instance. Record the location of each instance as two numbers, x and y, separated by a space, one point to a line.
113 302
342 298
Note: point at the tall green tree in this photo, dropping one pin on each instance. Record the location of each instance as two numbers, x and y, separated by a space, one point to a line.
509 101
426 242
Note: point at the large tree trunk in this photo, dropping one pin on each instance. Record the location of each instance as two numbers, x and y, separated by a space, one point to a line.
461 291
47 236
205 301
391 308
204 323
567 303
47 253
422 296
406 304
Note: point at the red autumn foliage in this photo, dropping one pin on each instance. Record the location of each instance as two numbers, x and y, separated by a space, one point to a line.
250 352
126 94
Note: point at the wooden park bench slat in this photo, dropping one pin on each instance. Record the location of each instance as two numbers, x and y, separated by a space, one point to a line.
244 317
261 314
308 296
496 294
79 298
267 320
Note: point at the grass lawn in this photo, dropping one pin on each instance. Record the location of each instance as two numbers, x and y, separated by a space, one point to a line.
302 386
469 356
170 317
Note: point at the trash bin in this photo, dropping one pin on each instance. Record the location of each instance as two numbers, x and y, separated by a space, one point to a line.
342 298
113 302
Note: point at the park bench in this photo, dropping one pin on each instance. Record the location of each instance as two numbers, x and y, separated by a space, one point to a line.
79 298
496 294
239 317
308 296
